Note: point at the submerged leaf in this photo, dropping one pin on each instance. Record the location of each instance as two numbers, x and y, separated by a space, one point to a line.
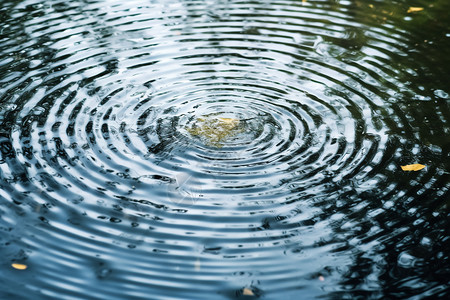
19 266
413 167
414 9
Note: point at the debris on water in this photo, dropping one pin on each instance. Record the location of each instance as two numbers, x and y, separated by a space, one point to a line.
414 9
18 266
413 167
213 130
247 292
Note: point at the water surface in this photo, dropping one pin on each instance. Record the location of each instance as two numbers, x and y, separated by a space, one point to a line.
115 185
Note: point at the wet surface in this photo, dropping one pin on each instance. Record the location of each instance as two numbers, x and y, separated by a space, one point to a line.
224 149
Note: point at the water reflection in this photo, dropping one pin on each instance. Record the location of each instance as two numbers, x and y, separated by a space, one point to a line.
108 189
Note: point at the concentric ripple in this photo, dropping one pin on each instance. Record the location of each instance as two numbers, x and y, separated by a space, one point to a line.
222 149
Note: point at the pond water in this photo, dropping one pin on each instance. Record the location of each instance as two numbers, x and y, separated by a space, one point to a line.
222 149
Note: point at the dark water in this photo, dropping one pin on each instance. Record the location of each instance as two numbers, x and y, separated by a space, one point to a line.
109 191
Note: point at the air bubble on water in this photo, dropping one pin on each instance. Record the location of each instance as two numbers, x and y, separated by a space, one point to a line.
406 260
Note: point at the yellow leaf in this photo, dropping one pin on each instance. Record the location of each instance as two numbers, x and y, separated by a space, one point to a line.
247 292
414 9
229 120
413 167
215 130
19 266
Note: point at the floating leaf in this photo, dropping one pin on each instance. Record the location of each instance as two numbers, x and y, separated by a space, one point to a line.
213 130
229 121
414 9
247 292
413 167
19 266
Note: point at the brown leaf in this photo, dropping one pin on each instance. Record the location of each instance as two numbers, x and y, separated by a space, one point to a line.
413 167
247 292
